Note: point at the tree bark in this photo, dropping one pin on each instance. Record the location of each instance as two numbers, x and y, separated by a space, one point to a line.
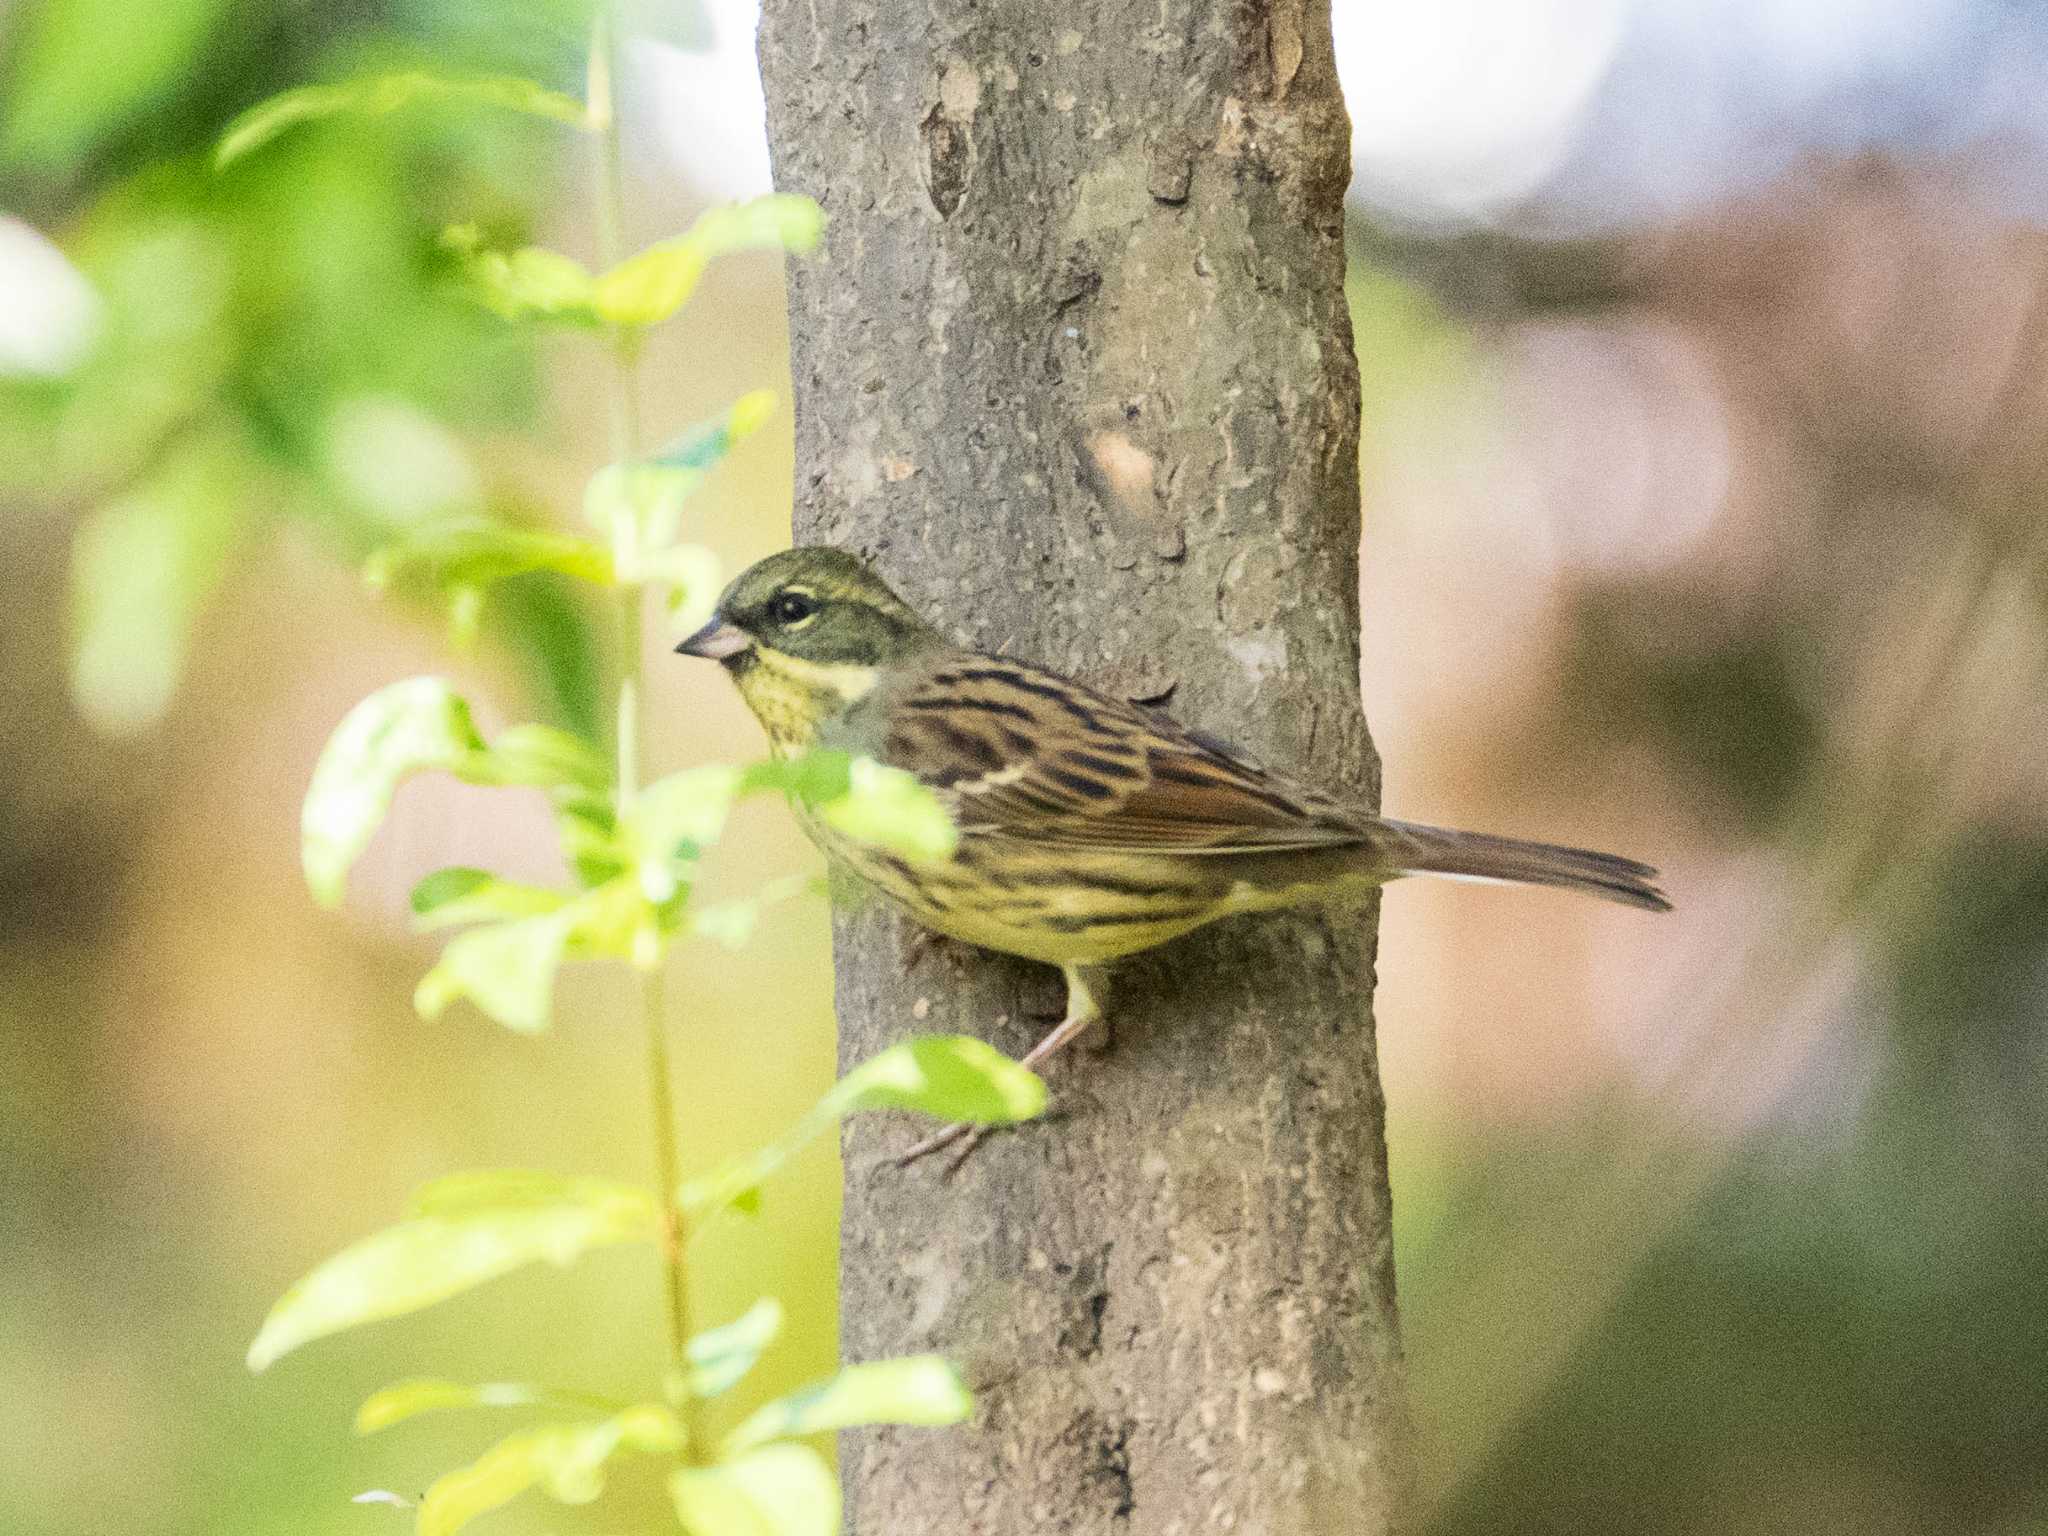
1075 369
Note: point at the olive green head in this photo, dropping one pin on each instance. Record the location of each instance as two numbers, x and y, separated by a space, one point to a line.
817 604
806 634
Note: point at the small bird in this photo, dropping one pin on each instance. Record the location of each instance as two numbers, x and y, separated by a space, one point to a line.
1089 827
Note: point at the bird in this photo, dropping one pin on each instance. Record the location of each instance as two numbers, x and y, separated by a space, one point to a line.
1089 827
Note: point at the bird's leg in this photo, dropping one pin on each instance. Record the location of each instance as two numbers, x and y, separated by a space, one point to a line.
1083 1009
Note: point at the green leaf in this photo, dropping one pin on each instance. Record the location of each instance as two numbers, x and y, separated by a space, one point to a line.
395 1404
549 627
447 885
462 556
377 95
816 776
566 1461
732 923
719 1357
407 1399
639 506
778 1490
506 968
675 818
922 1390
540 757
451 1246
889 808
530 281
82 68
653 285
688 576
417 724
951 1077
481 1191
413 726
615 919
142 569
589 837
705 444
450 897
863 798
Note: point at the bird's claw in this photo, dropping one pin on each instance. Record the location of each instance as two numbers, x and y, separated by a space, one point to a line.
938 1141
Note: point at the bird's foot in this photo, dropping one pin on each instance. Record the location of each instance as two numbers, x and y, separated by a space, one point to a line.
1082 1011
938 1141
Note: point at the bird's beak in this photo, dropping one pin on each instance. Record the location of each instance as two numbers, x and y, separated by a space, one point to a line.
716 641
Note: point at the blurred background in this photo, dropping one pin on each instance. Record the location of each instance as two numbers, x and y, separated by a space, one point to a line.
1706 422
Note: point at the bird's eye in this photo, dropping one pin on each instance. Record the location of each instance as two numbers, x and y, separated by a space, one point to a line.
789 609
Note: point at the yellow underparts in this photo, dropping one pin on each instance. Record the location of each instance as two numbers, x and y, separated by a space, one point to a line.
792 697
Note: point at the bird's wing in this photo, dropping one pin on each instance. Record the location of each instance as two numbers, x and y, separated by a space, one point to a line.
1016 751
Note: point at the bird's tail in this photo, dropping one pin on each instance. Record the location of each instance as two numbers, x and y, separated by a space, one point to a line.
1417 850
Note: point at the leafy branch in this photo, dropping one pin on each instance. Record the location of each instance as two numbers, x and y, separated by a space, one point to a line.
633 851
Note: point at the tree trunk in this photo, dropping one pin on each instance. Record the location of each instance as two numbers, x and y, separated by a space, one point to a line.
1075 369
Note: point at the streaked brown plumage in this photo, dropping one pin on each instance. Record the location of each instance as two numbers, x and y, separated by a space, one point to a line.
1090 827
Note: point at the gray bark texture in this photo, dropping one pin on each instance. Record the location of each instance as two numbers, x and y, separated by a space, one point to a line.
1075 370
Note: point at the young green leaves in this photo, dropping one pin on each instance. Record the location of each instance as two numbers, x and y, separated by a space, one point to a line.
636 509
643 290
764 1483
377 95
636 873
923 1390
757 1479
646 289
639 507
566 1461
468 1228
460 1233
408 728
633 853
949 1077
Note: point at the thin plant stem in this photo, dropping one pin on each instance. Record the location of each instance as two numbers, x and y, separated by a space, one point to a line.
627 448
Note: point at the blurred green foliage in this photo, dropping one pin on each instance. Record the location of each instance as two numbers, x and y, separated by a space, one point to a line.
285 345
633 852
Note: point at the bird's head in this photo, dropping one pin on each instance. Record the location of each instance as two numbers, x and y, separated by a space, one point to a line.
806 634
